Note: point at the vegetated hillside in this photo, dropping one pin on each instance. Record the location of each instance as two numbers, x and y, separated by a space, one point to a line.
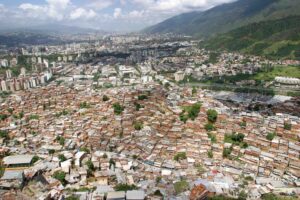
226 17
273 39
22 38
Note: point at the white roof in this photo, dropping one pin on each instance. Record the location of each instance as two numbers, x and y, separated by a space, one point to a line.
12 174
17 159
116 195
135 195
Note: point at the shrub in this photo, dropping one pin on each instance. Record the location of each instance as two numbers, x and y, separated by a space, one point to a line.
60 175
287 126
181 186
190 112
227 152
212 137
212 115
142 97
35 159
138 126
271 136
84 105
158 193
4 134
31 117
3 117
85 149
105 98
209 127
62 158
90 165
194 90
118 109
60 140
183 117
243 124
51 151
125 187
180 156
210 154
138 106
72 197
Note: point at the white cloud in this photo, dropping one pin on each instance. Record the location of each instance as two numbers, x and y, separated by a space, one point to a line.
107 14
54 9
100 4
117 13
136 14
29 6
58 4
176 6
83 13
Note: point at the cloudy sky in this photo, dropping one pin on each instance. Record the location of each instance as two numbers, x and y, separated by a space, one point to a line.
111 15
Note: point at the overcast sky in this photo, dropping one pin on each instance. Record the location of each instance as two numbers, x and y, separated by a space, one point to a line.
111 15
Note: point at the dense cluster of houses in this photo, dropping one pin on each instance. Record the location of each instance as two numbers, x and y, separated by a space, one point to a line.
61 141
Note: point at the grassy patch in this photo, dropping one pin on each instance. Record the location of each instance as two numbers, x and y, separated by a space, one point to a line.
181 186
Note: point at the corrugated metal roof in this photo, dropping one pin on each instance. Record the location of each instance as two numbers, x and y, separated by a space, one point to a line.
12 174
18 159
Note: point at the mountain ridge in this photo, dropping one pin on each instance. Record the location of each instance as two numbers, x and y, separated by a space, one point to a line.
226 17
274 39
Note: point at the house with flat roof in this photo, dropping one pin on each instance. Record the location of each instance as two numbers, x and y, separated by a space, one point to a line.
135 195
18 161
12 179
116 195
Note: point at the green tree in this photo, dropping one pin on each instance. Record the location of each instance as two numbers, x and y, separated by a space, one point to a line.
3 117
142 97
60 140
212 115
60 175
35 159
138 126
158 179
209 127
85 149
72 197
112 163
194 90
118 109
51 151
4 134
242 195
90 165
227 152
125 187
158 193
210 154
62 158
105 98
180 156
10 110
84 104
287 126
271 136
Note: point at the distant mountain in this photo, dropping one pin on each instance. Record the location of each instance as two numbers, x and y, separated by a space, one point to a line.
274 39
226 17
43 35
27 38
53 29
